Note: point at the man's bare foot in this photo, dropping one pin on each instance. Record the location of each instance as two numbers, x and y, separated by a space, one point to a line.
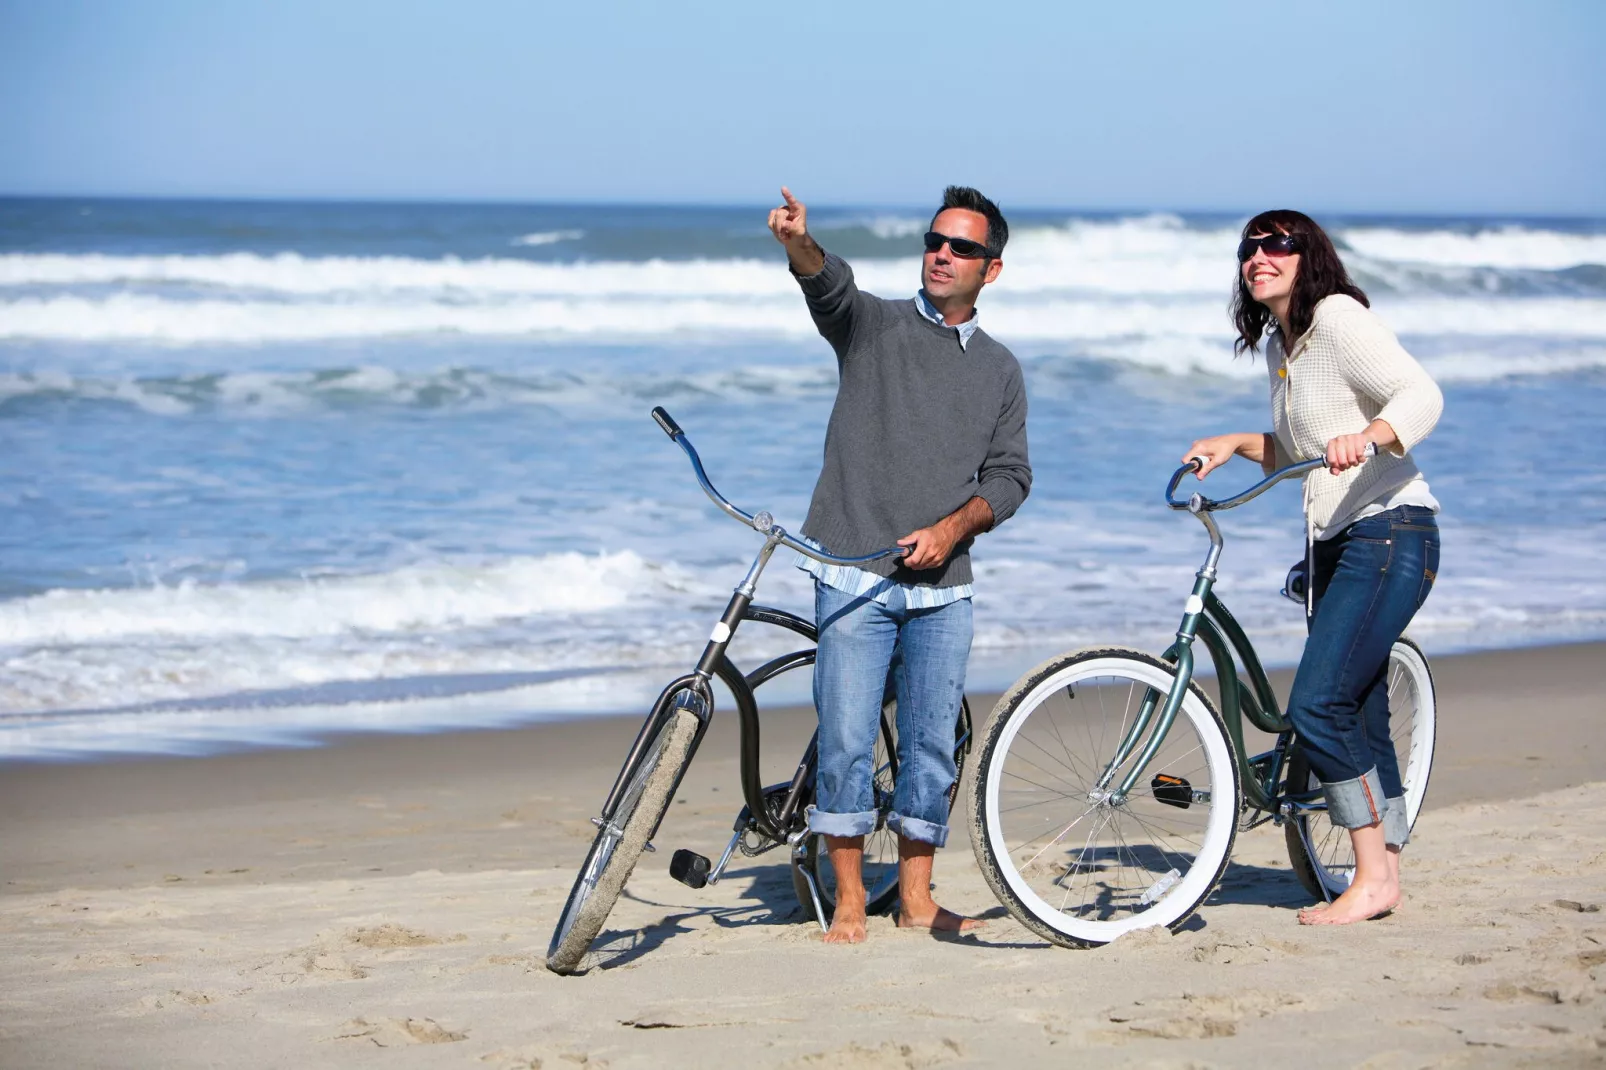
1360 902
929 915
847 924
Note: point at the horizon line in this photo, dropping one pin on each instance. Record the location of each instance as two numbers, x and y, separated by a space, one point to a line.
488 202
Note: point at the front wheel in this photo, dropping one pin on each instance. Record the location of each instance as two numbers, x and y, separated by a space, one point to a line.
1073 861
1319 850
620 841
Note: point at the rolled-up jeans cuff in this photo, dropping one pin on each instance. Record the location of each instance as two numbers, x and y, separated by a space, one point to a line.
827 824
1396 823
1357 803
912 828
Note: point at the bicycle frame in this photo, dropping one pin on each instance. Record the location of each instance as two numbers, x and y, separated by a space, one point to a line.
694 691
1206 617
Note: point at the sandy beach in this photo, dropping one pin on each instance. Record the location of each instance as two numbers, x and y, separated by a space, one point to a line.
387 900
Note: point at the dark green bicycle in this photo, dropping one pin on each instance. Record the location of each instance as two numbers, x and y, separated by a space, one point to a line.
1109 788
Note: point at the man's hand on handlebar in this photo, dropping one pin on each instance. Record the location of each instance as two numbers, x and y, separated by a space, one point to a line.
931 547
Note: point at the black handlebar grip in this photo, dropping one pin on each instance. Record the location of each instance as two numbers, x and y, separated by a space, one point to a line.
666 421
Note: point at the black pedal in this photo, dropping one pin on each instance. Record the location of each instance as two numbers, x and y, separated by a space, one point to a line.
1171 790
689 868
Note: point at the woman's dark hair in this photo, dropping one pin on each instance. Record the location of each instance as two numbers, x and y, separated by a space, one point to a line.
1321 274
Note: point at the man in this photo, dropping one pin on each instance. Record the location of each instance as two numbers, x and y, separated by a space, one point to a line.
926 448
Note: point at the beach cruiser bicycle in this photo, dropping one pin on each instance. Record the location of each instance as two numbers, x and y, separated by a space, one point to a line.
774 816
1109 788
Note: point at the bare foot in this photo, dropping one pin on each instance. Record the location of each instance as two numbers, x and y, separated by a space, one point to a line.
847 924
1360 902
929 915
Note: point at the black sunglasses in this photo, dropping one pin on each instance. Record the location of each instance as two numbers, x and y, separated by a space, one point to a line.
963 248
1271 244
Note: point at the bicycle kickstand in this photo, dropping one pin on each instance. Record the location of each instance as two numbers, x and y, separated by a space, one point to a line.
800 852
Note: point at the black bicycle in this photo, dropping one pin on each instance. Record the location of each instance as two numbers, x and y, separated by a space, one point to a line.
774 815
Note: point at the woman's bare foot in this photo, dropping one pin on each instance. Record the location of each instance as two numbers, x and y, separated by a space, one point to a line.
1362 901
929 915
847 923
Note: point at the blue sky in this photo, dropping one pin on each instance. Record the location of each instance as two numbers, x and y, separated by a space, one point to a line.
1406 106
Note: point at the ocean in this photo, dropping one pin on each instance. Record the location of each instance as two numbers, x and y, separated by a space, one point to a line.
274 470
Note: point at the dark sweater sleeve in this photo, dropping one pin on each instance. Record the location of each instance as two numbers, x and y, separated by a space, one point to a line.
835 301
1006 475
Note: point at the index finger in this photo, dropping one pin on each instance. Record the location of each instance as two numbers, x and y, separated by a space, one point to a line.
786 195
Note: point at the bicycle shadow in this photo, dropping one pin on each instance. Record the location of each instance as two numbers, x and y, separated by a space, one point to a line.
1259 886
767 899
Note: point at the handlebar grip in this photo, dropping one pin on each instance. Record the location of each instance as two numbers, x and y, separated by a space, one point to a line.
666 421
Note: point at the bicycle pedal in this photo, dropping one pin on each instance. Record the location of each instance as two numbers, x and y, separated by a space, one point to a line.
689 868
1172 790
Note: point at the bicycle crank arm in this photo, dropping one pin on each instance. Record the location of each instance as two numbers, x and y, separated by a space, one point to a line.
724 859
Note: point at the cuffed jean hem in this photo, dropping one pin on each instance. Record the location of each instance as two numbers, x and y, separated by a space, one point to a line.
1357 803
1396 823
912 828
859 824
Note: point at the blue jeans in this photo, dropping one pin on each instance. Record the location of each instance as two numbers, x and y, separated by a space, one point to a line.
1368 582
925 651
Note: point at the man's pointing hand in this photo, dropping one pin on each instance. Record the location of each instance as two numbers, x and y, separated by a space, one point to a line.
789 222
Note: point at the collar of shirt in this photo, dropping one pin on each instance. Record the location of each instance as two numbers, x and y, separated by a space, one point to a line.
929 310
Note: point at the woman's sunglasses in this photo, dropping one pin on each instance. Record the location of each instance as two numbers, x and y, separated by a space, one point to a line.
963 248
1271 244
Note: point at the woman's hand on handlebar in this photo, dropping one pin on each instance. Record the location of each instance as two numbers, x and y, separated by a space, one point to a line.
1217 450
1347 451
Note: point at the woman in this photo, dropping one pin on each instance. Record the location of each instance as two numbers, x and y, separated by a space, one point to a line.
1340 382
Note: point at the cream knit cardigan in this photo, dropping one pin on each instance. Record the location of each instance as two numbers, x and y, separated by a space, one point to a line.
1347 370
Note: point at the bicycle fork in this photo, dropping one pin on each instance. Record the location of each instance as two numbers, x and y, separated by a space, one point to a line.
1182 652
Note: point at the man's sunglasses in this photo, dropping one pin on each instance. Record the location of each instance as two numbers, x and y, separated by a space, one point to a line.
1271 244
963 248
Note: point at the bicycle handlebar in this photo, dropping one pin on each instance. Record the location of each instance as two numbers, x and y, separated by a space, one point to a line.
762 521
1198 503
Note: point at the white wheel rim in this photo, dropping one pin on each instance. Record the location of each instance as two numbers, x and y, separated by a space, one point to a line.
1201 875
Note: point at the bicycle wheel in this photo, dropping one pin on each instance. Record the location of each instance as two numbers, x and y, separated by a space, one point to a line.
1070 863
1319 850
880 866
620 842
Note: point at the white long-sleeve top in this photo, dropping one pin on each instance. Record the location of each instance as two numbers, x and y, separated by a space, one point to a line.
1344 372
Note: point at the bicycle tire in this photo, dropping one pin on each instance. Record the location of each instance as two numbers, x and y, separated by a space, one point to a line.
881 846
618 846
1318 850
1145 860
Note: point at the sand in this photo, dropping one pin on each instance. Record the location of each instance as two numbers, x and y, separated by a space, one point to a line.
387 901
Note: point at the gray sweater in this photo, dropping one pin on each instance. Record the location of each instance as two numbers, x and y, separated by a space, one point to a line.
920 426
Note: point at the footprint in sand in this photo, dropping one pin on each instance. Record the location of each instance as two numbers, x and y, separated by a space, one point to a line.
888 1056
1196 1017
541 1058
398 1032
389 936
315 964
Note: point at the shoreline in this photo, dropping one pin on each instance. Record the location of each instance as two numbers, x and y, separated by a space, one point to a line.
438 714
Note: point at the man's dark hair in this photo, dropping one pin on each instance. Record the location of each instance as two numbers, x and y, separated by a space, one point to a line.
971 200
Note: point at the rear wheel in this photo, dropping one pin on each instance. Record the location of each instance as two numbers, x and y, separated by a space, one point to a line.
1071 860
1319 850
880 866
619 842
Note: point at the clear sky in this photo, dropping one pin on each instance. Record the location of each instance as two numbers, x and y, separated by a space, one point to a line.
1400 106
